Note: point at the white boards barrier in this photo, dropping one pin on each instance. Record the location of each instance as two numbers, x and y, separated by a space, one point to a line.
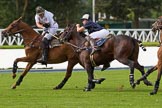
145 35
7 57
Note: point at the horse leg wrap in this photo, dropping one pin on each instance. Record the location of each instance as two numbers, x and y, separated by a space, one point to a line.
61 84
156 87
89 86
19 80
14 70
131 79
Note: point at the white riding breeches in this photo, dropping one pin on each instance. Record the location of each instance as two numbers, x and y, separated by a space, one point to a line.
99 34
52 31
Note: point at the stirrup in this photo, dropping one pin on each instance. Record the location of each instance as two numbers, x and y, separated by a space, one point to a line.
43 62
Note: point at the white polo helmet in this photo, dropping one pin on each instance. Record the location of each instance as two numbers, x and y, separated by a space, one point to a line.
85 16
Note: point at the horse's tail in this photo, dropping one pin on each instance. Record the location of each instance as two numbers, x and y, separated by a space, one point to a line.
141 45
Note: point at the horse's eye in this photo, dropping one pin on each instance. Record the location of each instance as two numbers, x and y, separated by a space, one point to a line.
13 25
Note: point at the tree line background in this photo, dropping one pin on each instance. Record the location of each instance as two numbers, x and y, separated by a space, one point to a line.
70 11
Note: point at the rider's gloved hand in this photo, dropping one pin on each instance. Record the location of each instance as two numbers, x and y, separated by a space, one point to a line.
45 29
46 25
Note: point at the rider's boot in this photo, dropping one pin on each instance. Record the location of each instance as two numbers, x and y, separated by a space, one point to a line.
45 49
94 46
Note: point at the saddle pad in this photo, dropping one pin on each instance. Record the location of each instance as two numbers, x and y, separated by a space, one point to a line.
54 43
101 41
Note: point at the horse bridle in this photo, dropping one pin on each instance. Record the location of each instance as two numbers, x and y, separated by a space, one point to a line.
9 33
18 30
158 27
67 35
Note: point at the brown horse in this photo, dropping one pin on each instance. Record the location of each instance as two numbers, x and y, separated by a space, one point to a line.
157 26
32 41
121 47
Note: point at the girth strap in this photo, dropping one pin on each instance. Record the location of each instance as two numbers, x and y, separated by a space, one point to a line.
92 60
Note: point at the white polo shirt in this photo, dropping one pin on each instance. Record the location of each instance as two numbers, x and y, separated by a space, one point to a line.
48 18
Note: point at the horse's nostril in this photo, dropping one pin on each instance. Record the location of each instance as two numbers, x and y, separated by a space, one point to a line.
4 33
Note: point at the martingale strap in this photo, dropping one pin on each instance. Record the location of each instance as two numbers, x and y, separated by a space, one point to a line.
92 60
101 41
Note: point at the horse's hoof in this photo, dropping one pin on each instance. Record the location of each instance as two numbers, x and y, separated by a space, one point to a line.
13 87
93 86
14 76
98 81
86 89
101 80
152 93
137 82
56 88
148 83
133 85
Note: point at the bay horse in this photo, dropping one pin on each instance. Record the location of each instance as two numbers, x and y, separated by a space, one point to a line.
32 42
123 48
156 26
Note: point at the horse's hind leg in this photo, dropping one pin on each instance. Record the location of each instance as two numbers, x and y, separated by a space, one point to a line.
144 75
67 76
28 67
129 63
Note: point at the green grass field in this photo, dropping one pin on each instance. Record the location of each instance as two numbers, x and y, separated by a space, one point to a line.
115 92
146 44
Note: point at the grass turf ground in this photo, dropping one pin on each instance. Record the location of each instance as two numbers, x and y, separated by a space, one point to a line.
115 92
146 44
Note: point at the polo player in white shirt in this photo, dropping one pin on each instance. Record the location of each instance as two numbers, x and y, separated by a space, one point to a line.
44 20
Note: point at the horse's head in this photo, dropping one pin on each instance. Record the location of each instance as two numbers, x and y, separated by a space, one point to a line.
66 35
13 28
157 25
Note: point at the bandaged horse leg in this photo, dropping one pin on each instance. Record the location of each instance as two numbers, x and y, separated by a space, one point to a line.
93 44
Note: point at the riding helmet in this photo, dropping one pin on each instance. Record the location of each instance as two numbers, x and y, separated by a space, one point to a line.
85 16
39 10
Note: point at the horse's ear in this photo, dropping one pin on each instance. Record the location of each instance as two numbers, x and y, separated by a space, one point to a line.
68 25
160 17
19 19
74 25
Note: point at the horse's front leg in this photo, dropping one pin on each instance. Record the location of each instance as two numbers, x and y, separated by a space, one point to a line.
15 67
67 76
146 74
156 86
90 84
28 67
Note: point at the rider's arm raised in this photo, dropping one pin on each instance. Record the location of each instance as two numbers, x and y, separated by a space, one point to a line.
80 29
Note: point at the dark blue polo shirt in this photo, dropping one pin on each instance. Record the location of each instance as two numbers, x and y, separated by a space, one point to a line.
92 27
